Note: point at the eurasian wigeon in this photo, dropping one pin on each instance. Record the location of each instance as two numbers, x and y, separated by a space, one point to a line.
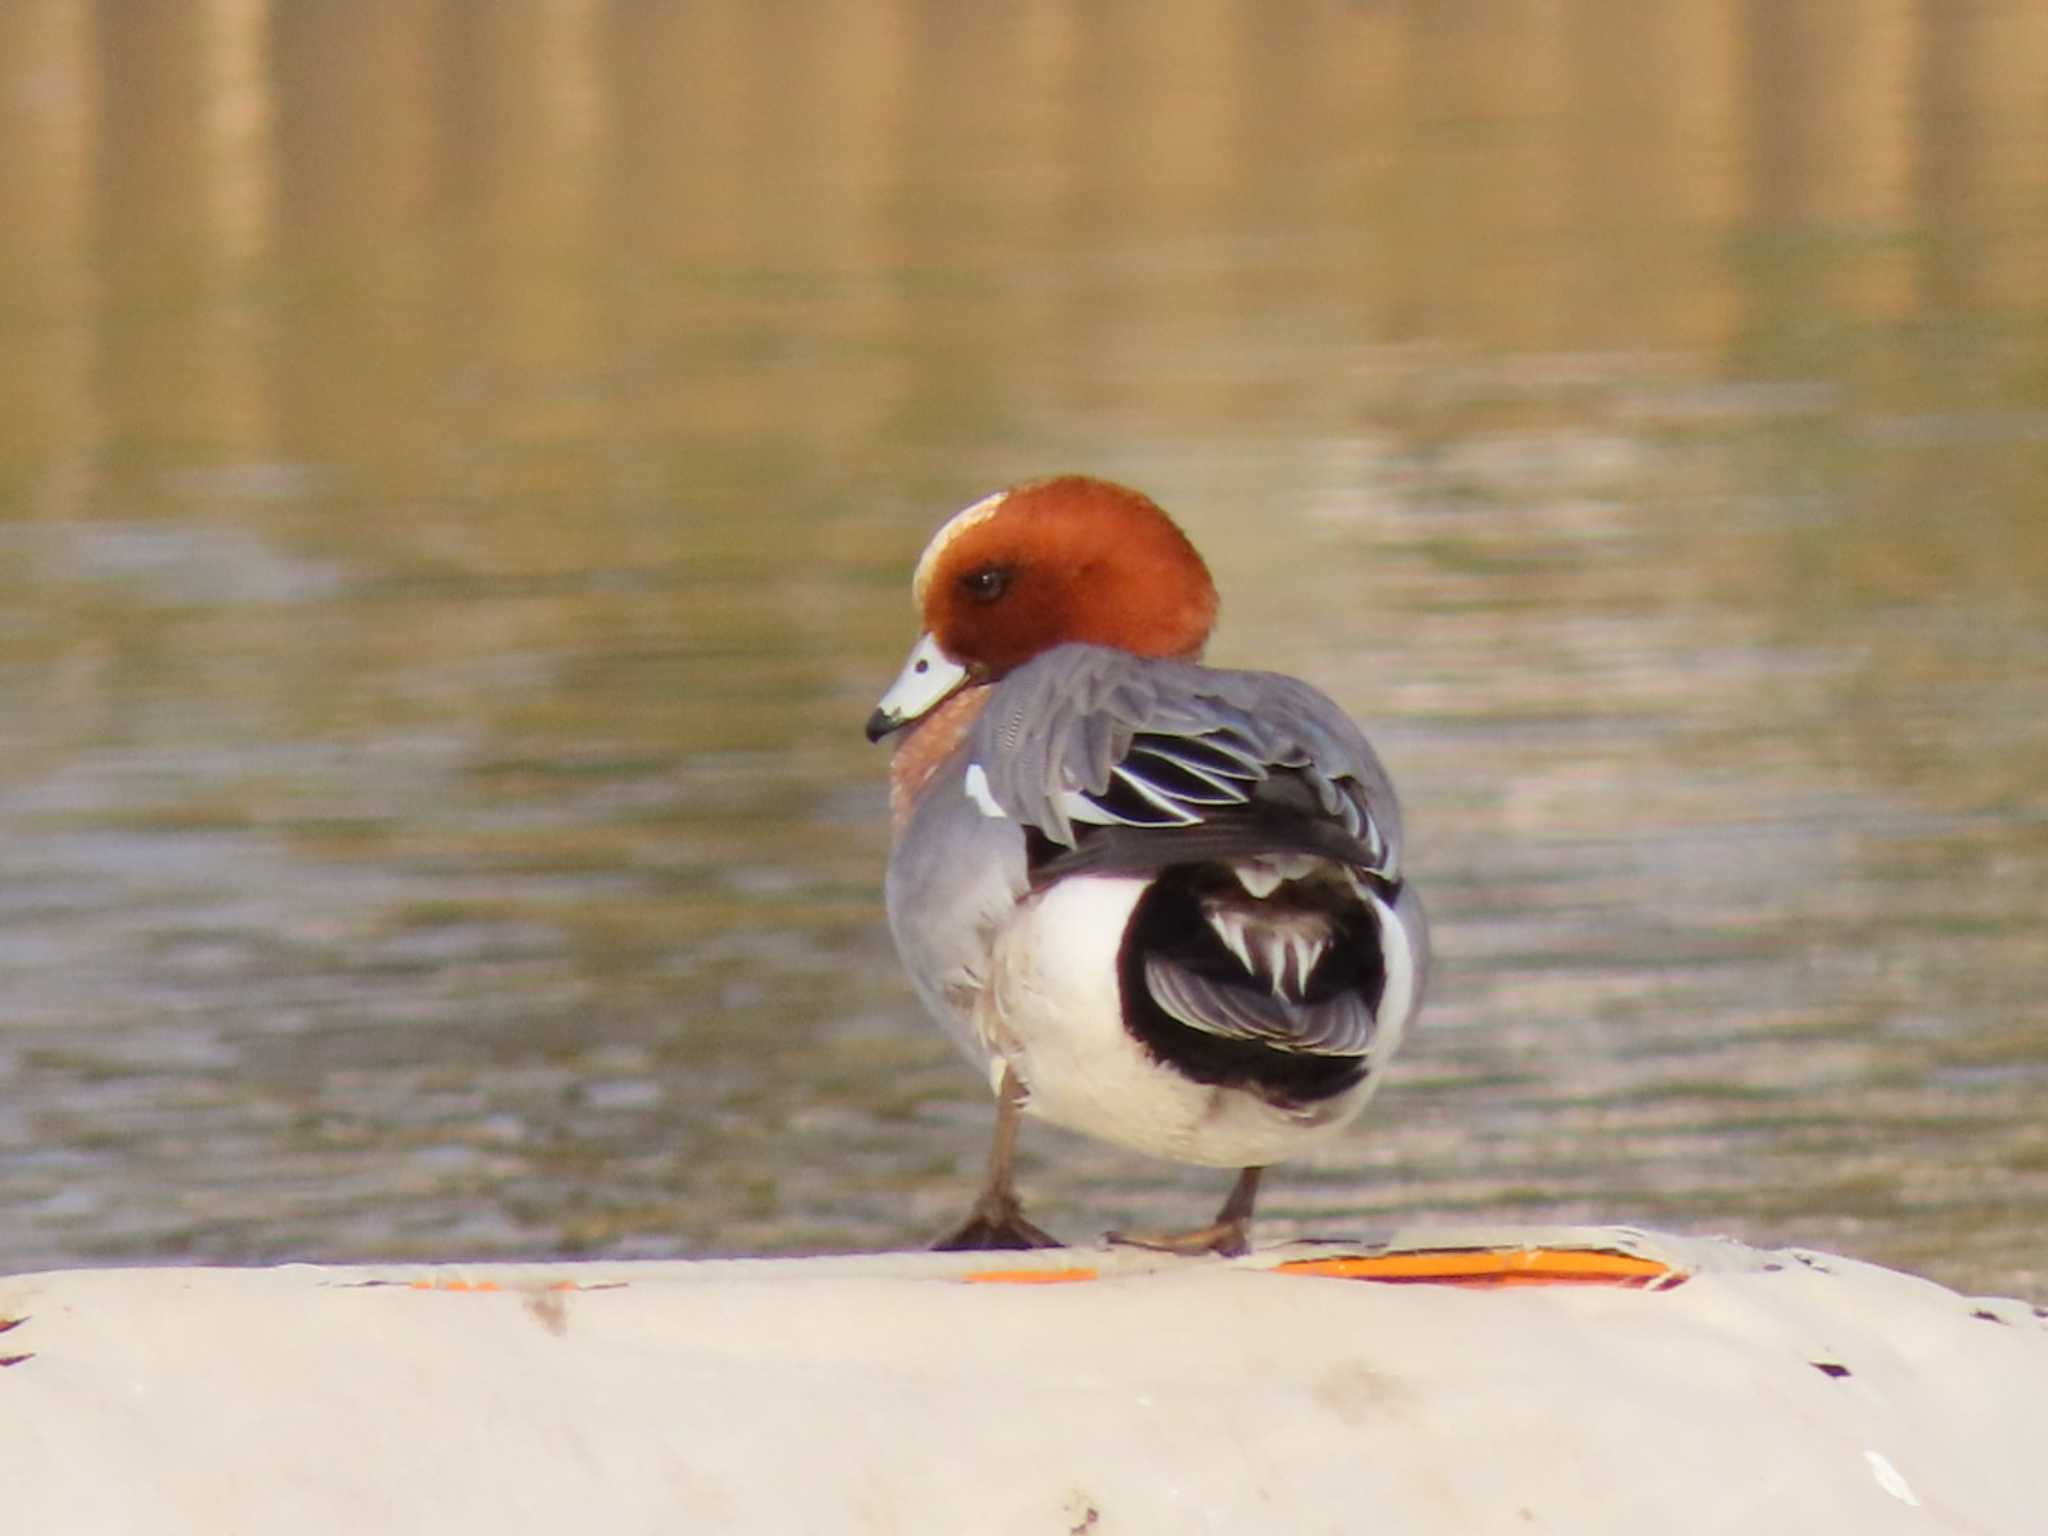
1161 903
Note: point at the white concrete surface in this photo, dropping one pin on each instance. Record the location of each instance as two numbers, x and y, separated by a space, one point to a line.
1766 1393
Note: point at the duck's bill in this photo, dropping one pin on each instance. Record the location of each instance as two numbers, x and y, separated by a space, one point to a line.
927 680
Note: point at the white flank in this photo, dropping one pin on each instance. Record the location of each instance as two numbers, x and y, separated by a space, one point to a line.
1397 996
1054 1008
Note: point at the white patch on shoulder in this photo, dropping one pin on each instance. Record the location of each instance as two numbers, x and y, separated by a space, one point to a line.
977 791
951 529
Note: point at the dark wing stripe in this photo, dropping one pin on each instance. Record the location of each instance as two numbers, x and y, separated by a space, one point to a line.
1153 759
1167 803
1192 754
1236 744
1156 784
1126 802
1221 834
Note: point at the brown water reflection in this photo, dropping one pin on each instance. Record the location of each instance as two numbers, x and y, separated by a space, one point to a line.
459 467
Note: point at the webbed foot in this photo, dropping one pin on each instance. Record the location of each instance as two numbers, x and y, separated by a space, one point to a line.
996 1222
1228 1235
1230 1239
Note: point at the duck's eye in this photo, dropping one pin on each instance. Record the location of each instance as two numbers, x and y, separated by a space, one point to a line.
986 584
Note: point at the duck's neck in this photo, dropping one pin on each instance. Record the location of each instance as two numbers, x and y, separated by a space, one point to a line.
927 744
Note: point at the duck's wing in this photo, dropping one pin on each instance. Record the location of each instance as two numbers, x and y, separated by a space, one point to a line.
1177 763
1278 929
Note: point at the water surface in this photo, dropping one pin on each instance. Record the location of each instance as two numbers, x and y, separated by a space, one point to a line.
456 512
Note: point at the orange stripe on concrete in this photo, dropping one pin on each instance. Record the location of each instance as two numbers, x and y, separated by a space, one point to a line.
455 1285
1492 1267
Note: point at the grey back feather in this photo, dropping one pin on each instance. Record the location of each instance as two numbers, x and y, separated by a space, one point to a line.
1059 731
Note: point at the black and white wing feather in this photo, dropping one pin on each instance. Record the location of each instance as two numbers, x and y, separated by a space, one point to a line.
1090 737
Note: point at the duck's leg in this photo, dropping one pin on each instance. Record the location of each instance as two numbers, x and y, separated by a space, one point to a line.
1229 1234
997 1218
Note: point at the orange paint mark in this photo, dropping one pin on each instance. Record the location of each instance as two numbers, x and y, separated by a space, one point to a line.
1494 1268
1029 1276
457 1286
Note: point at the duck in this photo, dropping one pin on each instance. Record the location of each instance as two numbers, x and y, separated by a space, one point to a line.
1156 902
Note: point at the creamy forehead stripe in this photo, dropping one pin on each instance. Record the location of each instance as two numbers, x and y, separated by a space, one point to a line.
951 529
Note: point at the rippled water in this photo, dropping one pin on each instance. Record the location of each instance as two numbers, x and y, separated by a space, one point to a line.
456 513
